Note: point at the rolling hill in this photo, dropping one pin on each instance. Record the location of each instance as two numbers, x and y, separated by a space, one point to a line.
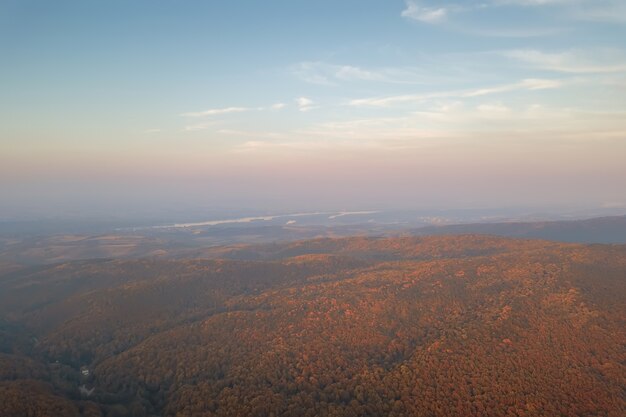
436 326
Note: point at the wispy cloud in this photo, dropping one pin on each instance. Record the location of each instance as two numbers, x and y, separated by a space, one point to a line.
216 112
208 117
148 131
420 13
522 32
305 104
200 126
310 73
439 14
323 73
526 84
612 11
442 122
498 116
535 2
587 10
540 84
347 72
253 134
575 61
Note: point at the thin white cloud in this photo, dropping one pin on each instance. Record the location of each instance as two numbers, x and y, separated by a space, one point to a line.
493 111
586 10
535 2
540 84
331 74
347 72
524 32
612 11
216 112
305 104
254 134
527 84
323 73
199 126
419 13
209 114
148 131
575 62
486 116
433 15
368 123
415 10
446 121
310 72
490 90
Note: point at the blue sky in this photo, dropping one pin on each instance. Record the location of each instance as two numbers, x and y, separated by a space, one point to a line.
338 103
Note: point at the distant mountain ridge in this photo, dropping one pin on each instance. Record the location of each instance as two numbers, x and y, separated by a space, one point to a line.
596 230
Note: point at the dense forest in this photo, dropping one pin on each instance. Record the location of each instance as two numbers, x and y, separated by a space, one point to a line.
465 325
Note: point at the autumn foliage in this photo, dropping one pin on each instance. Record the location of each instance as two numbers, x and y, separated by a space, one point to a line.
441 326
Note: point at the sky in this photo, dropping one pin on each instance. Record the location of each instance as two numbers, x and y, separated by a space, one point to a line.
291 105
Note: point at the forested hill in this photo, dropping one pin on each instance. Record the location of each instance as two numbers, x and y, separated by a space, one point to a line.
435 326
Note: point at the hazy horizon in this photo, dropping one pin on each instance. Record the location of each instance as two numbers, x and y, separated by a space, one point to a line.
288 106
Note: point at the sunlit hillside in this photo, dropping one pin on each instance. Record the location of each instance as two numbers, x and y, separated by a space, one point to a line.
461 325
